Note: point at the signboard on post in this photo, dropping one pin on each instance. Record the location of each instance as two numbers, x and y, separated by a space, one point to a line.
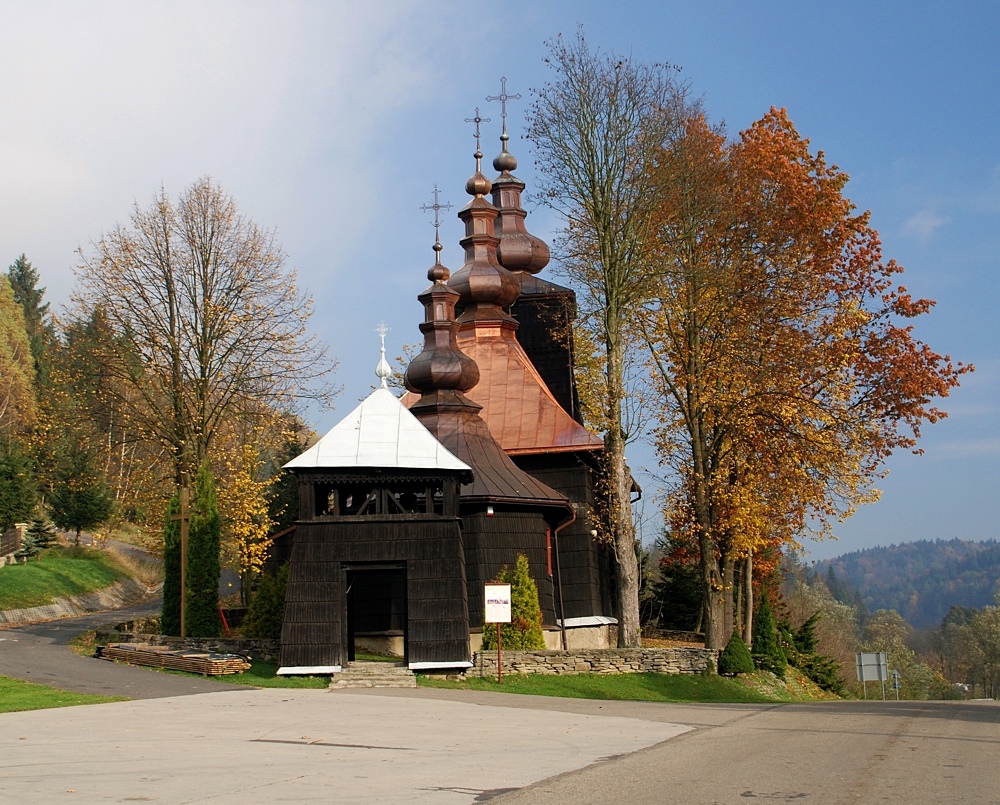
498 611
873 667
497 603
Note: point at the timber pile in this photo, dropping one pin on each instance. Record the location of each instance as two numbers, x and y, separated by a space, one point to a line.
206 663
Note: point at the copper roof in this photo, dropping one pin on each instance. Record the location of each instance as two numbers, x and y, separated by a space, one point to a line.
521 412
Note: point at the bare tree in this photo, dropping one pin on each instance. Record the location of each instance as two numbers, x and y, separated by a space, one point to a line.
597 126
206 322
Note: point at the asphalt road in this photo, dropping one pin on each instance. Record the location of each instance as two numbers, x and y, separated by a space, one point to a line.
40 653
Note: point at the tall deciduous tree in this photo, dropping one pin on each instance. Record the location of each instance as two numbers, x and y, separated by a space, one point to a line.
778 342
205 321
17 376
597 126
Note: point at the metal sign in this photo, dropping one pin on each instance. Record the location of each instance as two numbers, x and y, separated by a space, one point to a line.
873 667
497 603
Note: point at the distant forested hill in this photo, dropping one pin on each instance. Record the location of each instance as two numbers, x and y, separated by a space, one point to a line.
921 580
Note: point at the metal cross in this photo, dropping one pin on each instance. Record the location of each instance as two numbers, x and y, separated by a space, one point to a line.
477 120
436 206
503 97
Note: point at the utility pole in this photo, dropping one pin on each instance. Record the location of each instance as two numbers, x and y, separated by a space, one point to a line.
185 518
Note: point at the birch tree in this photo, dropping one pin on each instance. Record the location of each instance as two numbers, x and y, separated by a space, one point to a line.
596 127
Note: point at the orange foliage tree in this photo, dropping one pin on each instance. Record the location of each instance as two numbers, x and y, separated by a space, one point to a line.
780 346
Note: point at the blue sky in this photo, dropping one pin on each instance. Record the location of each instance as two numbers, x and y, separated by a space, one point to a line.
332 121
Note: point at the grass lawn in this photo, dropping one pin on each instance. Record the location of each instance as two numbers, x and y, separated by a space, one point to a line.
16 695
621 687
60 571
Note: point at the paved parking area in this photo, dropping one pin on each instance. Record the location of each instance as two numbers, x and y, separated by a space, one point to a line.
247 746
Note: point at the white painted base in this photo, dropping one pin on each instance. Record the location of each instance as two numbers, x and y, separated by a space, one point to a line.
309 670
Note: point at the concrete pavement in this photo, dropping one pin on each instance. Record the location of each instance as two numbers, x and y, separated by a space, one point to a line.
300 746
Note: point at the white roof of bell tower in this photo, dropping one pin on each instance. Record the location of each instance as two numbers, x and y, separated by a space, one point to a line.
379 433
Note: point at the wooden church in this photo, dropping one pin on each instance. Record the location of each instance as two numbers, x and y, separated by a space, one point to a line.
408 506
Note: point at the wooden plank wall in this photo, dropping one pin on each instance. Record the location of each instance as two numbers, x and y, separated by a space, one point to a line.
315 627
492 542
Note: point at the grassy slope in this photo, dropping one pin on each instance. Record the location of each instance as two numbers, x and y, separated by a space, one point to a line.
59 572
16 695
626 687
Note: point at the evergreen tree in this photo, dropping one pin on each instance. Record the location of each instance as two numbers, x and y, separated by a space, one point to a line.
203 570
524 632
735 657
170 621
201 615
17 484
267 607
24 283
80 499
767 651
43 532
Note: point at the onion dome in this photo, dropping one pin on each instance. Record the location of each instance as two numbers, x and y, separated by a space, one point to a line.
518 250
441 366
485 287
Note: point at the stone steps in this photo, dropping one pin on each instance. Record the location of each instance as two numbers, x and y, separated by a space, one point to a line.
373 675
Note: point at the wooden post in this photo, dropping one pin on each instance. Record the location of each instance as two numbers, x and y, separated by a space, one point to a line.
185 517
499 656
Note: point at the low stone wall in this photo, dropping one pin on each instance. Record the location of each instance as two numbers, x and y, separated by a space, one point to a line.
598 661
267 650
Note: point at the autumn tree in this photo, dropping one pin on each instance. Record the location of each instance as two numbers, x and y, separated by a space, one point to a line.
18 404
779 344
596 127
205 321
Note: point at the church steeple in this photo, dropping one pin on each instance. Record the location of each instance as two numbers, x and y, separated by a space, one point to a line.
518 250
441 372
485 287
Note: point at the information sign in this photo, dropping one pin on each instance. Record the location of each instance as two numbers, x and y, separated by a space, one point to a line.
497 603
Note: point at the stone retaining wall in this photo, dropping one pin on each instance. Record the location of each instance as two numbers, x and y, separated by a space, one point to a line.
120 594
598 661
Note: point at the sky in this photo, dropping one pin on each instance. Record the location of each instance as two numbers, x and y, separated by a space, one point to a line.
331 123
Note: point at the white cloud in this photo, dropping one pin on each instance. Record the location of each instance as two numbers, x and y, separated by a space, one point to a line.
924 224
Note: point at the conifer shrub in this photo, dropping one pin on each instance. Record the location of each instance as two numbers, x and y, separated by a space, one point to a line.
203 565
735 657
802 654
266 611
524 632
766 650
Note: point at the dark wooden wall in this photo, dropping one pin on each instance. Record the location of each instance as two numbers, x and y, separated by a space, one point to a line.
492 542
588 570
431 551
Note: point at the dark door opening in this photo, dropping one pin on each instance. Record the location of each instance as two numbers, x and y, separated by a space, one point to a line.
376 611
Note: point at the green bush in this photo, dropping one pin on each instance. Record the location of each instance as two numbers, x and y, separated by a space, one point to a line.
524 632
735 657
267 607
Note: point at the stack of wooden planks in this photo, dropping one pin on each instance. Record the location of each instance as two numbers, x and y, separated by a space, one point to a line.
206 663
